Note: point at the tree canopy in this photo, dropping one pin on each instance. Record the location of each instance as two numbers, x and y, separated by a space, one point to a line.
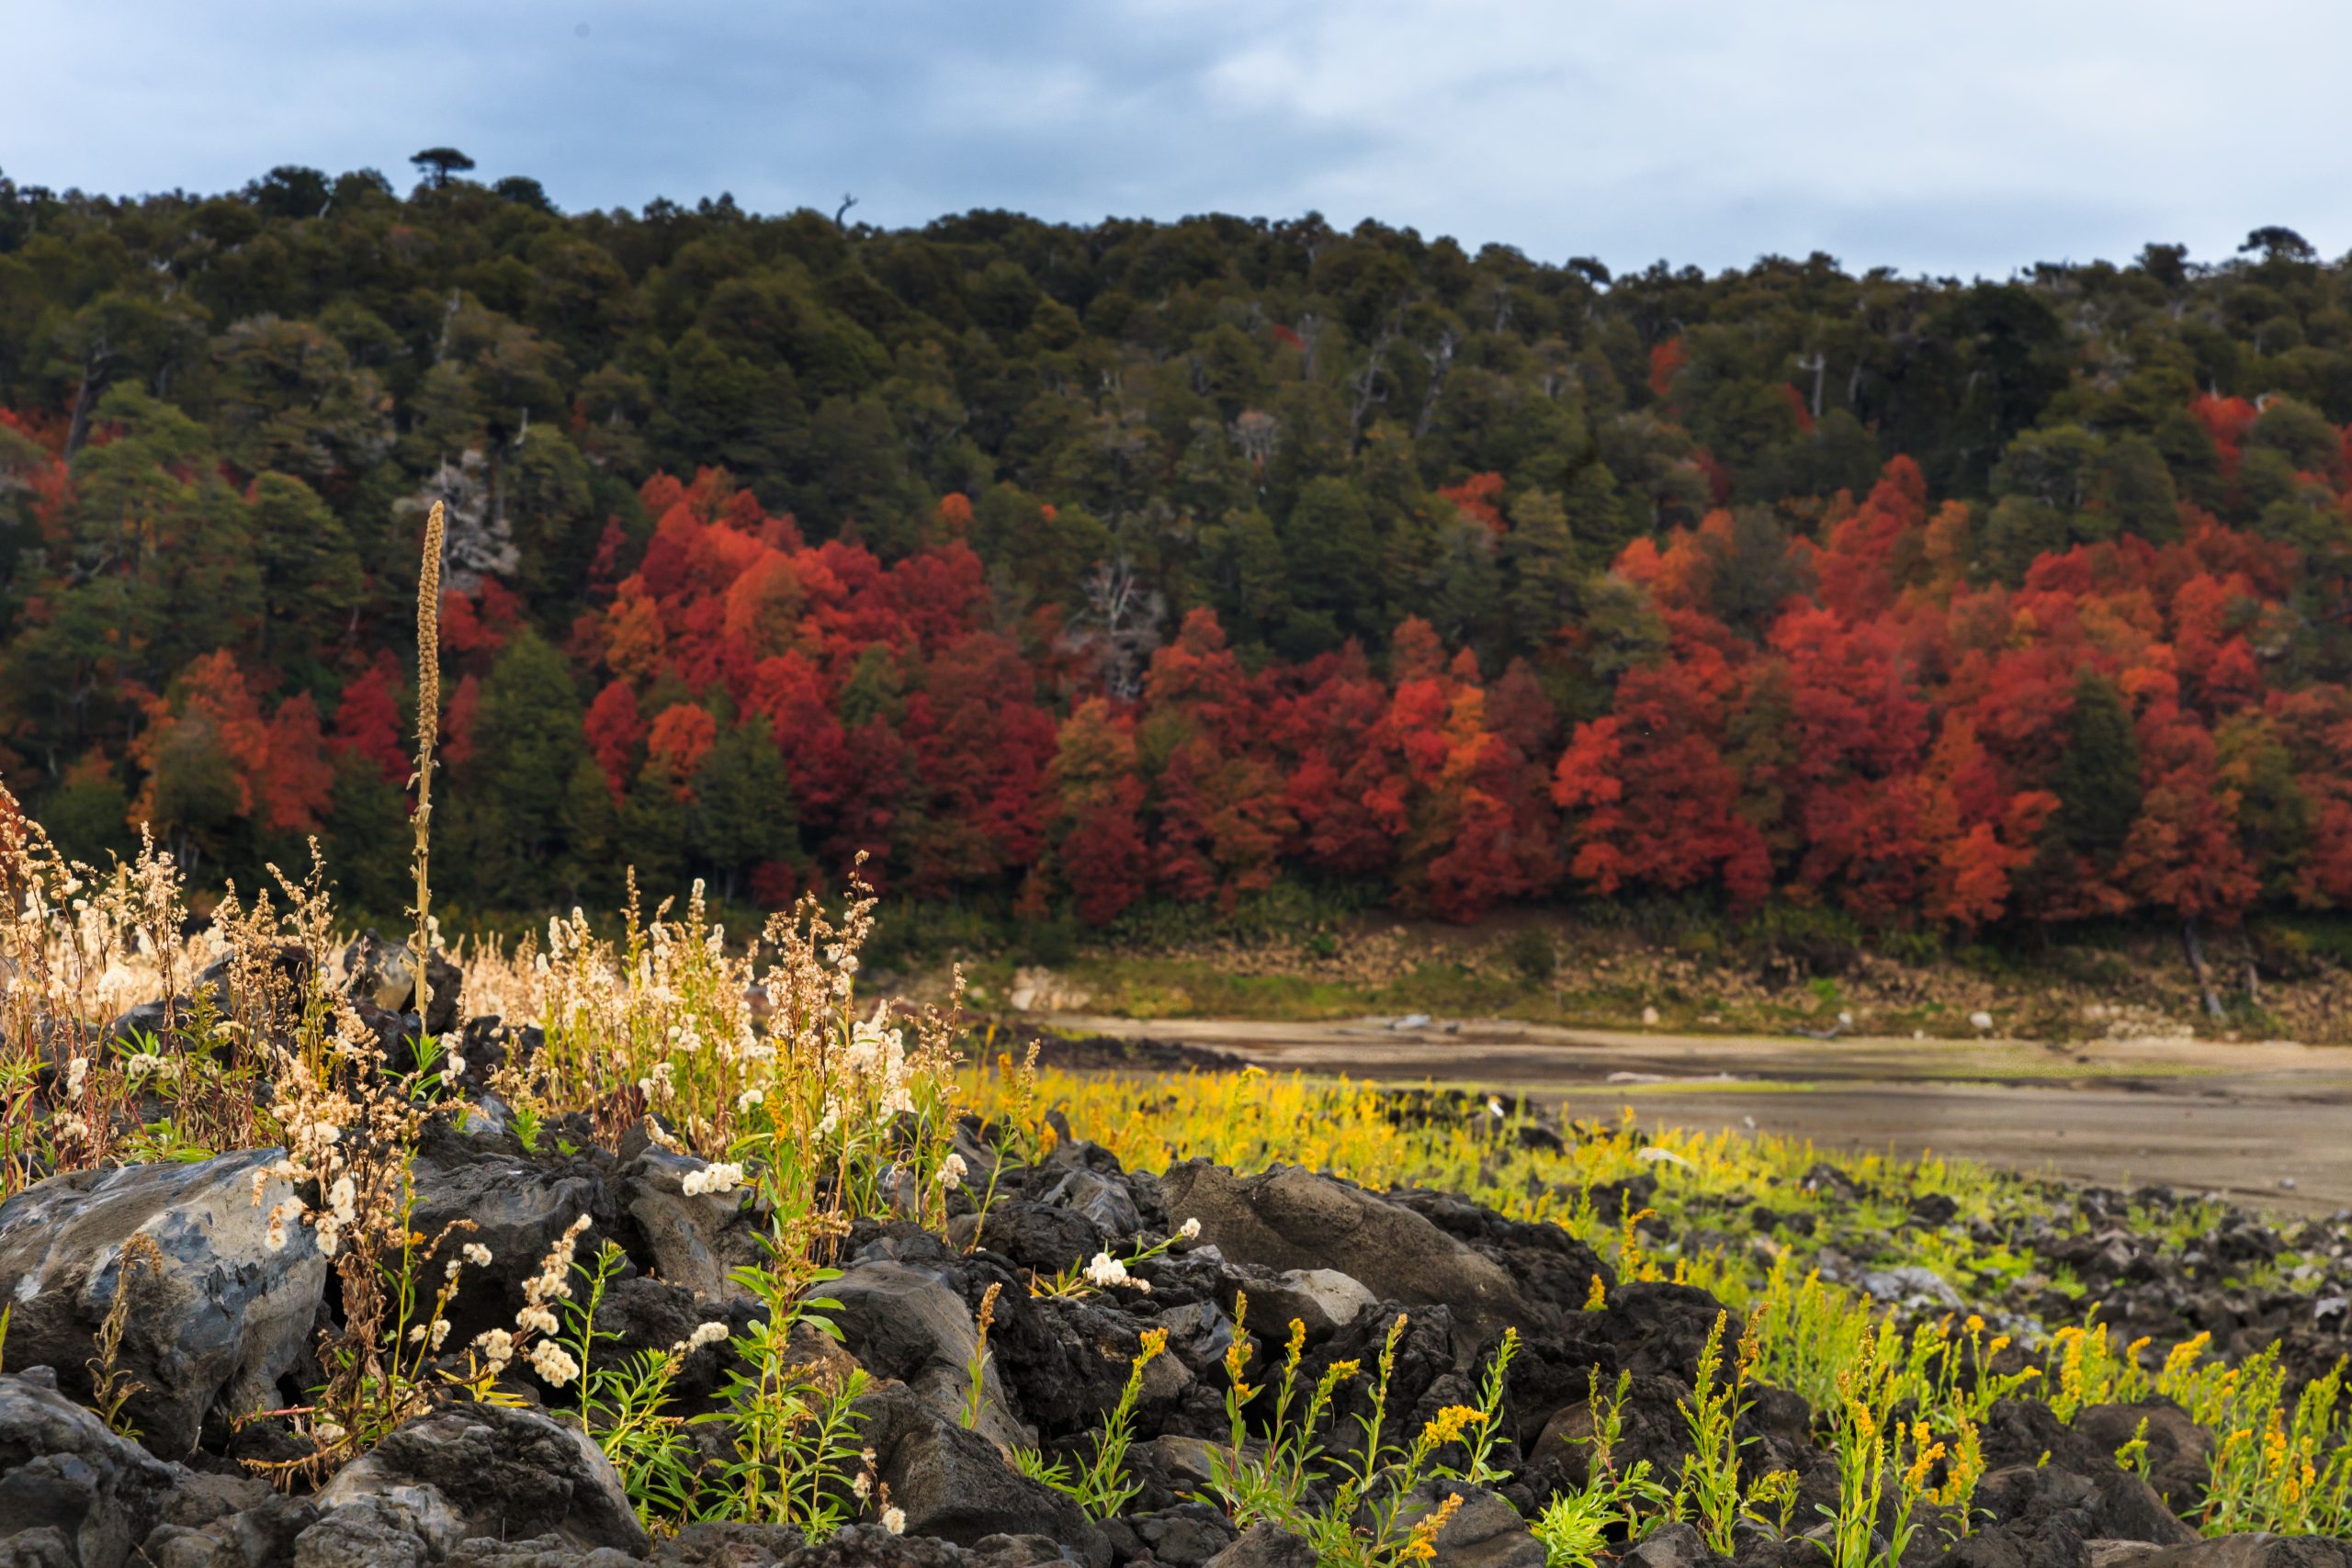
1082 565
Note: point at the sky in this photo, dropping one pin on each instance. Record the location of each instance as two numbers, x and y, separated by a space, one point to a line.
1960 141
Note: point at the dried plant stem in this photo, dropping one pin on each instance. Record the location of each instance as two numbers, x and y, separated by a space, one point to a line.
428 727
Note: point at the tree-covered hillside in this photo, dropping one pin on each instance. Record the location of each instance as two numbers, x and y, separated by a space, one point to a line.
1063 568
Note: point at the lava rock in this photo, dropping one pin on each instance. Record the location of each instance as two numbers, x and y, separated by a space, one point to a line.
539 1551
2179 1451
66 1479
1323 1299
213 1330
1033 1235
690 1239
1290 1218
953 1484
2226 1552
487 1469
1266 1546
1675 1545
1484 1531
906 1322
368 1532
1184 1536
727 1546
514 1204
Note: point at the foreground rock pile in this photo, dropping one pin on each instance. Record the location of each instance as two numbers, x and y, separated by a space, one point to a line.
226 1332
218 1326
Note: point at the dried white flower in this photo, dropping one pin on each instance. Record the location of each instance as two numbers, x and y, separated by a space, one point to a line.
551 1361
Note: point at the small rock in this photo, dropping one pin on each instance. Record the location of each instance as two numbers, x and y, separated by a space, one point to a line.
1322 1299
1675 1545
1266 1546
1912 1283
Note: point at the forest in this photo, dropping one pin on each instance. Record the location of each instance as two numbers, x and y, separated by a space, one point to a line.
1065 571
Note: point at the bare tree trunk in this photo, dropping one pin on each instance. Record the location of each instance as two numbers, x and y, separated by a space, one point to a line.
86 403
1441 359
1366 385
1818 363
2196 952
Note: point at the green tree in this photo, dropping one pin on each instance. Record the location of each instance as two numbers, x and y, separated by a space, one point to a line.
2097 779
529 747
1540 571
742 813
309 571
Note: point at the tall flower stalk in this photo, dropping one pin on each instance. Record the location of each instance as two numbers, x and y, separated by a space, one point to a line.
428 730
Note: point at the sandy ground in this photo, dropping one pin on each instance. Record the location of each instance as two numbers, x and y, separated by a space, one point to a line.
2268 1124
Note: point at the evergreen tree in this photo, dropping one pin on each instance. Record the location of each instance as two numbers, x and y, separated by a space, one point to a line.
742 815
1539 570
2097 779
528 746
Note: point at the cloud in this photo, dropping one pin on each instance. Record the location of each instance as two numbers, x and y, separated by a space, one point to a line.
1702 131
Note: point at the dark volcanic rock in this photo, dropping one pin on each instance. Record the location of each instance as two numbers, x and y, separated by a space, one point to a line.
516 1204
953 1484
475 1470
1289 1218
225 1317
65 1478
690 1239
906 1322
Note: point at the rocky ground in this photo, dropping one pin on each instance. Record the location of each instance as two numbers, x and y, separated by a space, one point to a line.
225 1323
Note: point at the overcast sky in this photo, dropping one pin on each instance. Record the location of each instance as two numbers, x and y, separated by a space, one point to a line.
1950 139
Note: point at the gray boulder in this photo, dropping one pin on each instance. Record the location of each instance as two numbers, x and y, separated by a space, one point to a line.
225 1317
955 1485
693 1240
902 1322
1289 1218
370 1532
518 1205
1266 1546
68 1484
1484 1531
487 1469
1322 1299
